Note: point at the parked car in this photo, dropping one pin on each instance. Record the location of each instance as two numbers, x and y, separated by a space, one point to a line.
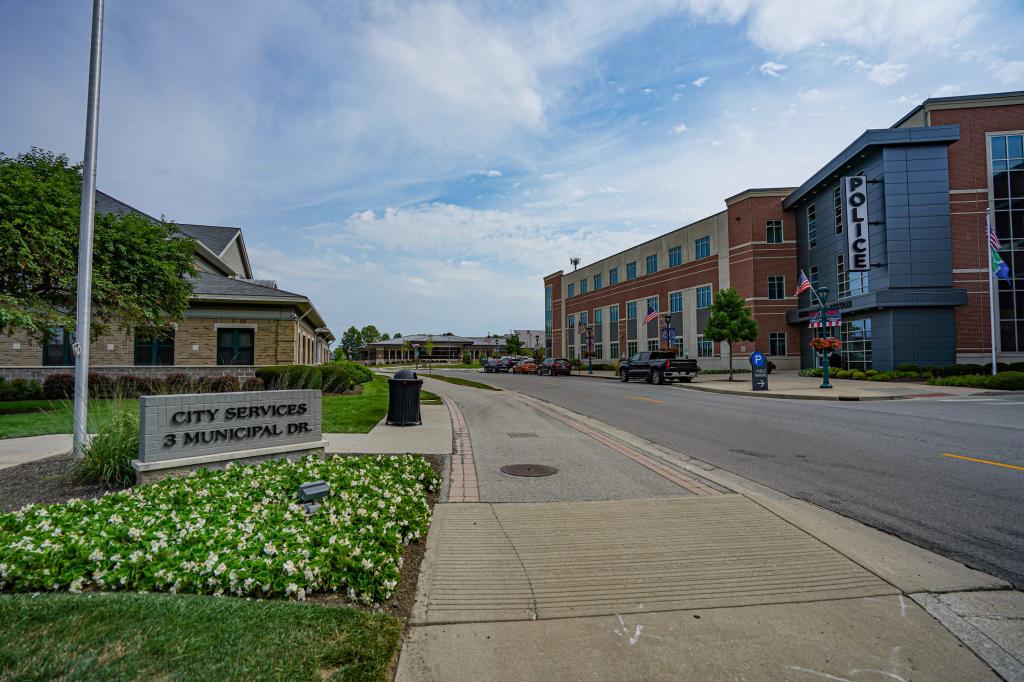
555 366
525 367
657 367
495 365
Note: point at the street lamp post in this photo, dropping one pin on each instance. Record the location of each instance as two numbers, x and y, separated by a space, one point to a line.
590 349
668 323
416 354
822 293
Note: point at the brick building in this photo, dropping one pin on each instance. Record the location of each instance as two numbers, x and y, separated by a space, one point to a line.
234 323
931 178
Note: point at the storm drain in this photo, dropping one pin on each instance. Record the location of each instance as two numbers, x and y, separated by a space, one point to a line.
528 470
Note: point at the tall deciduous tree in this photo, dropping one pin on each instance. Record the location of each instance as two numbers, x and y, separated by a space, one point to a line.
350 342
369 334
141 267
730 321
513 344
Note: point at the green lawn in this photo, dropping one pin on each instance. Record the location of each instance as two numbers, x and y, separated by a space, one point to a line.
466 382
342 413
96 636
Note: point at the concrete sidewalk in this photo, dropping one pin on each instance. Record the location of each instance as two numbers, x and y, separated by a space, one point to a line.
432 437
14 451
742 584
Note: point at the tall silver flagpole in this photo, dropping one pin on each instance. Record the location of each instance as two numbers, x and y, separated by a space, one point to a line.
991 286
85 233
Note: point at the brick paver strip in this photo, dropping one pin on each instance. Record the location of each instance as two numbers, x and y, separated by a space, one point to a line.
690 483
464 487
513 561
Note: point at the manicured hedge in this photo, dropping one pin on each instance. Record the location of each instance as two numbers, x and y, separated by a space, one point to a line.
282 377
360 373
20 389
62 386
1003 381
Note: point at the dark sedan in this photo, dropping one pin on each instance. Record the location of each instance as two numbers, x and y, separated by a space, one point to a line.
555 366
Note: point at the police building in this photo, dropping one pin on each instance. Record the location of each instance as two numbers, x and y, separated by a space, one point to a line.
894 226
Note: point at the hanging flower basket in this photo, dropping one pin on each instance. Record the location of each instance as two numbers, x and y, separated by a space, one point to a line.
824 345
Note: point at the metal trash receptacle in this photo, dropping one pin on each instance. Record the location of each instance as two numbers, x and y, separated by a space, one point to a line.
404 398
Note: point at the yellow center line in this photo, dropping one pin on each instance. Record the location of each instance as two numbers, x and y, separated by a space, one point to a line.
641 397
984 461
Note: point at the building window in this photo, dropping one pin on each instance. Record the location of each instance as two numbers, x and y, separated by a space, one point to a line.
1007 186
597 281
155 350
57 347
652 264
630 349
572 352
599 316
570 291
571 325
652 344
613 350
842 277
631 310
613 277
630 270
837 204
855 337
652 302
598 351
773 232
584 317
675 256
675 302
235 346
583 285
613 313
813 273
777 343
858 283
703 297
776 287
705 348
702 248
812 227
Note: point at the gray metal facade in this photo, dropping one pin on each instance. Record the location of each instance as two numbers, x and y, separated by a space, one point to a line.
910 297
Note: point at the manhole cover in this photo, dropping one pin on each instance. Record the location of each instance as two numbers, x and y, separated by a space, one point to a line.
528 470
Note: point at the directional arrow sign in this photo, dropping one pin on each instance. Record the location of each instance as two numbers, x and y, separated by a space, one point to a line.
759 377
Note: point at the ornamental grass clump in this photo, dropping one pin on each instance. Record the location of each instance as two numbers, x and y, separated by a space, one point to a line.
239 531
107 456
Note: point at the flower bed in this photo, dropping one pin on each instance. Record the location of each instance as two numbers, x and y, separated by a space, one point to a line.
239 531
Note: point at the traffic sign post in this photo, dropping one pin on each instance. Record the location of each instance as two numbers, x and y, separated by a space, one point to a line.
758 371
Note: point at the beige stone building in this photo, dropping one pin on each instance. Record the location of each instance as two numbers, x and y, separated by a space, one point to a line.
234 324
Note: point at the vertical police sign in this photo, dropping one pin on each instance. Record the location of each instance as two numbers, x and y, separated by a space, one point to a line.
855 222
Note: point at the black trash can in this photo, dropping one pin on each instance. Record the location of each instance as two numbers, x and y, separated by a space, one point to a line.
404 398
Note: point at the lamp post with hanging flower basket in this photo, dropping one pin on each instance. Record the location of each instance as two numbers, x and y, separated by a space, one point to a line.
824 345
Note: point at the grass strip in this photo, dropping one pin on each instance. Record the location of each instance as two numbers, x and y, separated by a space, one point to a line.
466 382
99 636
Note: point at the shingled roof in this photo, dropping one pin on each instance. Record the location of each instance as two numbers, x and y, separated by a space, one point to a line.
215 285
213 237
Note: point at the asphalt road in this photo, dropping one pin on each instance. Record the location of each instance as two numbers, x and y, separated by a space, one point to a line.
882 463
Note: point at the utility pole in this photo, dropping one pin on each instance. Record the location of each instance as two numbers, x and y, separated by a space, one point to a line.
85 234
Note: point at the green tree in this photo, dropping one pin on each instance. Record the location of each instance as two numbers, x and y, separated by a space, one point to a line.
538 355
730 321
350 342
369 334
397 335
142 268
385 337
513 344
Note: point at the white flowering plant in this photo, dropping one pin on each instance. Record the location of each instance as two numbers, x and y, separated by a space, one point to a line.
238 531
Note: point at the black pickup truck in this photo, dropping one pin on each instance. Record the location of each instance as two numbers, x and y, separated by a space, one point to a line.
657 367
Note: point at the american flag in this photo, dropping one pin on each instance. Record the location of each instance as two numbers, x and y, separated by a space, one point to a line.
581 328
652 314
992 238
802 284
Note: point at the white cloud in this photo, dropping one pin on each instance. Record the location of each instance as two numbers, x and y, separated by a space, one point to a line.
490 173
699 82
679 129
647 91
1009 73
773 69
887 73
948 90
676 97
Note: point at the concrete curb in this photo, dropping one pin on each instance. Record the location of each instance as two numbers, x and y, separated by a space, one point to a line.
790 396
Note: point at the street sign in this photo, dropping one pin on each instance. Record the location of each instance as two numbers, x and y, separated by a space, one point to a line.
758 371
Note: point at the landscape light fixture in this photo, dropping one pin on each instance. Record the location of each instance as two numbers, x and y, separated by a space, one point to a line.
310 493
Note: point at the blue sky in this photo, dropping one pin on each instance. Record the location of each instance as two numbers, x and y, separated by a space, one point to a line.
421 166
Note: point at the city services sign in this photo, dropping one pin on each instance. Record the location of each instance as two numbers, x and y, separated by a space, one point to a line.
855 222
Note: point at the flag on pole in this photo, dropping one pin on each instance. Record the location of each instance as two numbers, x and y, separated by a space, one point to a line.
999 267
581 328
802 284
652 314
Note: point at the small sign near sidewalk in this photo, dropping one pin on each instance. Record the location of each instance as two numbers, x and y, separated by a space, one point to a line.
758 371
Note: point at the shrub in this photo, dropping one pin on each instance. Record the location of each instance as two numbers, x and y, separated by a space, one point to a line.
859 375
253 384
1016 367
871 372
810 372
360 374
335 379
20 389
958 370
132 386
843 374
102 386
1007 381
225 383
908 367
108 455
280 377
467 358
882 376
179 383
59 387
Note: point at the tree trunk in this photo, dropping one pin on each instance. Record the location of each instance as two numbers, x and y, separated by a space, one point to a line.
730 361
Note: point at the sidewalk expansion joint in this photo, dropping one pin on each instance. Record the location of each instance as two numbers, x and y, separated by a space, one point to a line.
463 486
534 611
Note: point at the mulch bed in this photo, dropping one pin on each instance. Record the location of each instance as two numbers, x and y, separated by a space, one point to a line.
44 481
